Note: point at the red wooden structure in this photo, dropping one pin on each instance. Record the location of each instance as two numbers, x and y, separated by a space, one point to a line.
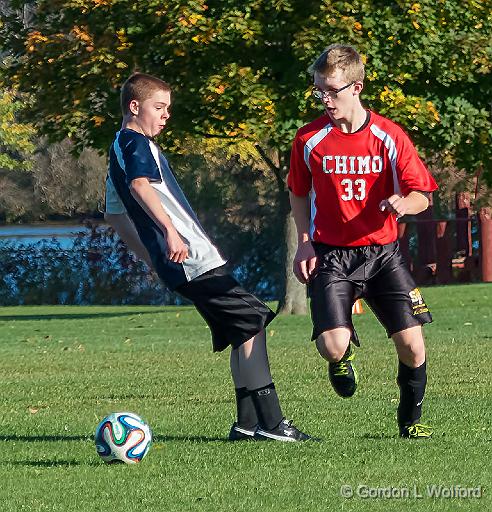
441 251
485 216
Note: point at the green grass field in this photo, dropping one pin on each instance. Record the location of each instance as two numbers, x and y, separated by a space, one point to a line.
63 368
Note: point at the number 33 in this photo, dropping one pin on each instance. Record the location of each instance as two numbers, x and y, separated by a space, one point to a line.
349 185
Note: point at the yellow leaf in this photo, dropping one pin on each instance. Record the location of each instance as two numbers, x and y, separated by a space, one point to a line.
81 34
98 120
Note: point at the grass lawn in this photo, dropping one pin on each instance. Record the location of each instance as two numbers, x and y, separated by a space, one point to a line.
63 368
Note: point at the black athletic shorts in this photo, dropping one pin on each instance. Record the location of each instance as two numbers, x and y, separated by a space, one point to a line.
376 273
233 315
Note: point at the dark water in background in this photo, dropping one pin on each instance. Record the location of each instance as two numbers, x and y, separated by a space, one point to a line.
51 263
23 234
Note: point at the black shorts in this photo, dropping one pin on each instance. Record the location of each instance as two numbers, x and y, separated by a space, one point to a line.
233 315
376 273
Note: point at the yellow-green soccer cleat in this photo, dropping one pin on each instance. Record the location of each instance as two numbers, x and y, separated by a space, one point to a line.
416 431
343 375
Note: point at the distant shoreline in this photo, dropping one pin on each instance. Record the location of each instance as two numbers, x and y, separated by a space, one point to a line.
36 232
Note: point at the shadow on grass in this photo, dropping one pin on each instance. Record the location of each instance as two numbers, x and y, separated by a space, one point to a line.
68 438
380 436
34 439
75 316
43 463
193 439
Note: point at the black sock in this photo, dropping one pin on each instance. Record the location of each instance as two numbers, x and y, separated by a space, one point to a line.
267 406
246 412
412 383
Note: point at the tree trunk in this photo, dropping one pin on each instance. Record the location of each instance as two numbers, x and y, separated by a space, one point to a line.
293 301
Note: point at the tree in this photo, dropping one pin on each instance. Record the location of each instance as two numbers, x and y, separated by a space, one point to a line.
239 71
65 185
16 158
16 138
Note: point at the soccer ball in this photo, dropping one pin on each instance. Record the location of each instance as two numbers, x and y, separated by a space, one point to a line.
123 437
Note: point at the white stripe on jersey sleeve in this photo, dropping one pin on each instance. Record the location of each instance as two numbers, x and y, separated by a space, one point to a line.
312 142
155 153
118 152
313 213
392 154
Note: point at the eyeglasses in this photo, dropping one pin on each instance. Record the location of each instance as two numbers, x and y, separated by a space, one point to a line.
330 93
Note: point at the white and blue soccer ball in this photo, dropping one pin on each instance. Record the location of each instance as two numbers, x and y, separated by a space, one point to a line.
123 437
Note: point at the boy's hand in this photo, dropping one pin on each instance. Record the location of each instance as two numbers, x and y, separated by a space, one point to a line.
395 204
304 262
177 250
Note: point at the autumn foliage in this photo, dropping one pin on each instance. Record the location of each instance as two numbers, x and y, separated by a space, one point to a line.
238 68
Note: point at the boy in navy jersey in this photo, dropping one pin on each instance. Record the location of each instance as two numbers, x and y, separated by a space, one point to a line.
145 204
353 173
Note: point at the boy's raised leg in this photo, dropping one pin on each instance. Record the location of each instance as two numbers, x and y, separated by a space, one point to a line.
334 346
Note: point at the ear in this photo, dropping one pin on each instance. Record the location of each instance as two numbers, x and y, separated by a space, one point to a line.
133 107
358 86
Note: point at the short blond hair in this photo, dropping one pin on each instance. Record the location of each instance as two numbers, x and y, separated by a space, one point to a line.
140 87
339 56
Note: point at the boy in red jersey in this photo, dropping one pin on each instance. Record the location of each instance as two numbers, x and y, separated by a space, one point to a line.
353 173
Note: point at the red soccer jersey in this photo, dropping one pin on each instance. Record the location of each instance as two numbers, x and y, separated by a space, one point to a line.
347 175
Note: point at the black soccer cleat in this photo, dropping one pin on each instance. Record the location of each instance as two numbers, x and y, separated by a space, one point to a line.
238 433
284 431
343 375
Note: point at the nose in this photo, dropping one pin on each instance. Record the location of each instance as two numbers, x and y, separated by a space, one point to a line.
327 98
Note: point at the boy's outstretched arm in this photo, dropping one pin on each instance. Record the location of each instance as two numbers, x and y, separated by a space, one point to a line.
147 198
305 258
125 228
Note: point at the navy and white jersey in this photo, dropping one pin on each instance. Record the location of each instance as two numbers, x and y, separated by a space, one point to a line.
132 155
